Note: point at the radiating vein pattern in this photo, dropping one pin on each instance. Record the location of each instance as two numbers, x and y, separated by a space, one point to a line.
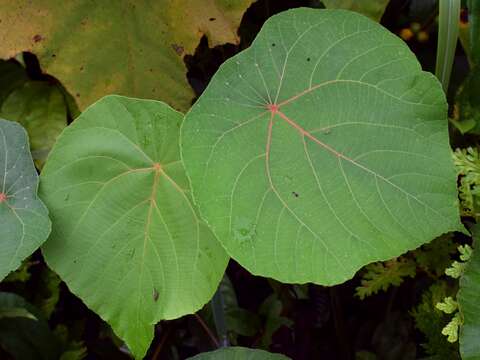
24 222
126 238
321 148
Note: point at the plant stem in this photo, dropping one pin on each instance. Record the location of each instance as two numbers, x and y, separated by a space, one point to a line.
207 330
219 318
448 22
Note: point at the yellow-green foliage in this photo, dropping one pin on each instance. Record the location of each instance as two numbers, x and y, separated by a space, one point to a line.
467 162
382 275
431 321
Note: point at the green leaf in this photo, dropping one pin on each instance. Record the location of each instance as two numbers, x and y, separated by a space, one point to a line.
468 298
47 295
448 24
24 222
123 47
126 238
238 353
25 337
271 310
12 76
22 274
321 148
40 107
16 312
374 9
474 29
467 114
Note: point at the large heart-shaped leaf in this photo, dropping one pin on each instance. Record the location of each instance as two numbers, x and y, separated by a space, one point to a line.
321 148
238 353
24 222
125 47
125 236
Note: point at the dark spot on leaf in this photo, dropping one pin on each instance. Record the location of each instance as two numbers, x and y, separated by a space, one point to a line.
155 294
178 49
151 70
308 59
77 94
81 68
273 44
212 19
295 194
37 38
54 55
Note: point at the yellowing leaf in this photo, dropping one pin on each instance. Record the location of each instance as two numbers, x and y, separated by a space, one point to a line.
123 47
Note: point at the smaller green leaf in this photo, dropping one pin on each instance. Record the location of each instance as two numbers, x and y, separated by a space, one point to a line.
239 321
22 274
40 107
374 9
12 76
271 309
46 297
24 222
76 351
26 334
467 106
238 353
16 312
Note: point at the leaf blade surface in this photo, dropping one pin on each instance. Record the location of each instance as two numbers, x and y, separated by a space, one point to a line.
24 222
126 238
327 147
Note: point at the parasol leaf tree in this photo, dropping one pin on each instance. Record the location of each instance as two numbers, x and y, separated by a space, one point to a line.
24 222
126 238
321 148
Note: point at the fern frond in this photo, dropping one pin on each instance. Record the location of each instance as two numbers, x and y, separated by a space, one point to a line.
382 275
431 321
451 329
448 305
435 257
467 162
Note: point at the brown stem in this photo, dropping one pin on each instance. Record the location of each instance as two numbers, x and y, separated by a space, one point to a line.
207 330
159 347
